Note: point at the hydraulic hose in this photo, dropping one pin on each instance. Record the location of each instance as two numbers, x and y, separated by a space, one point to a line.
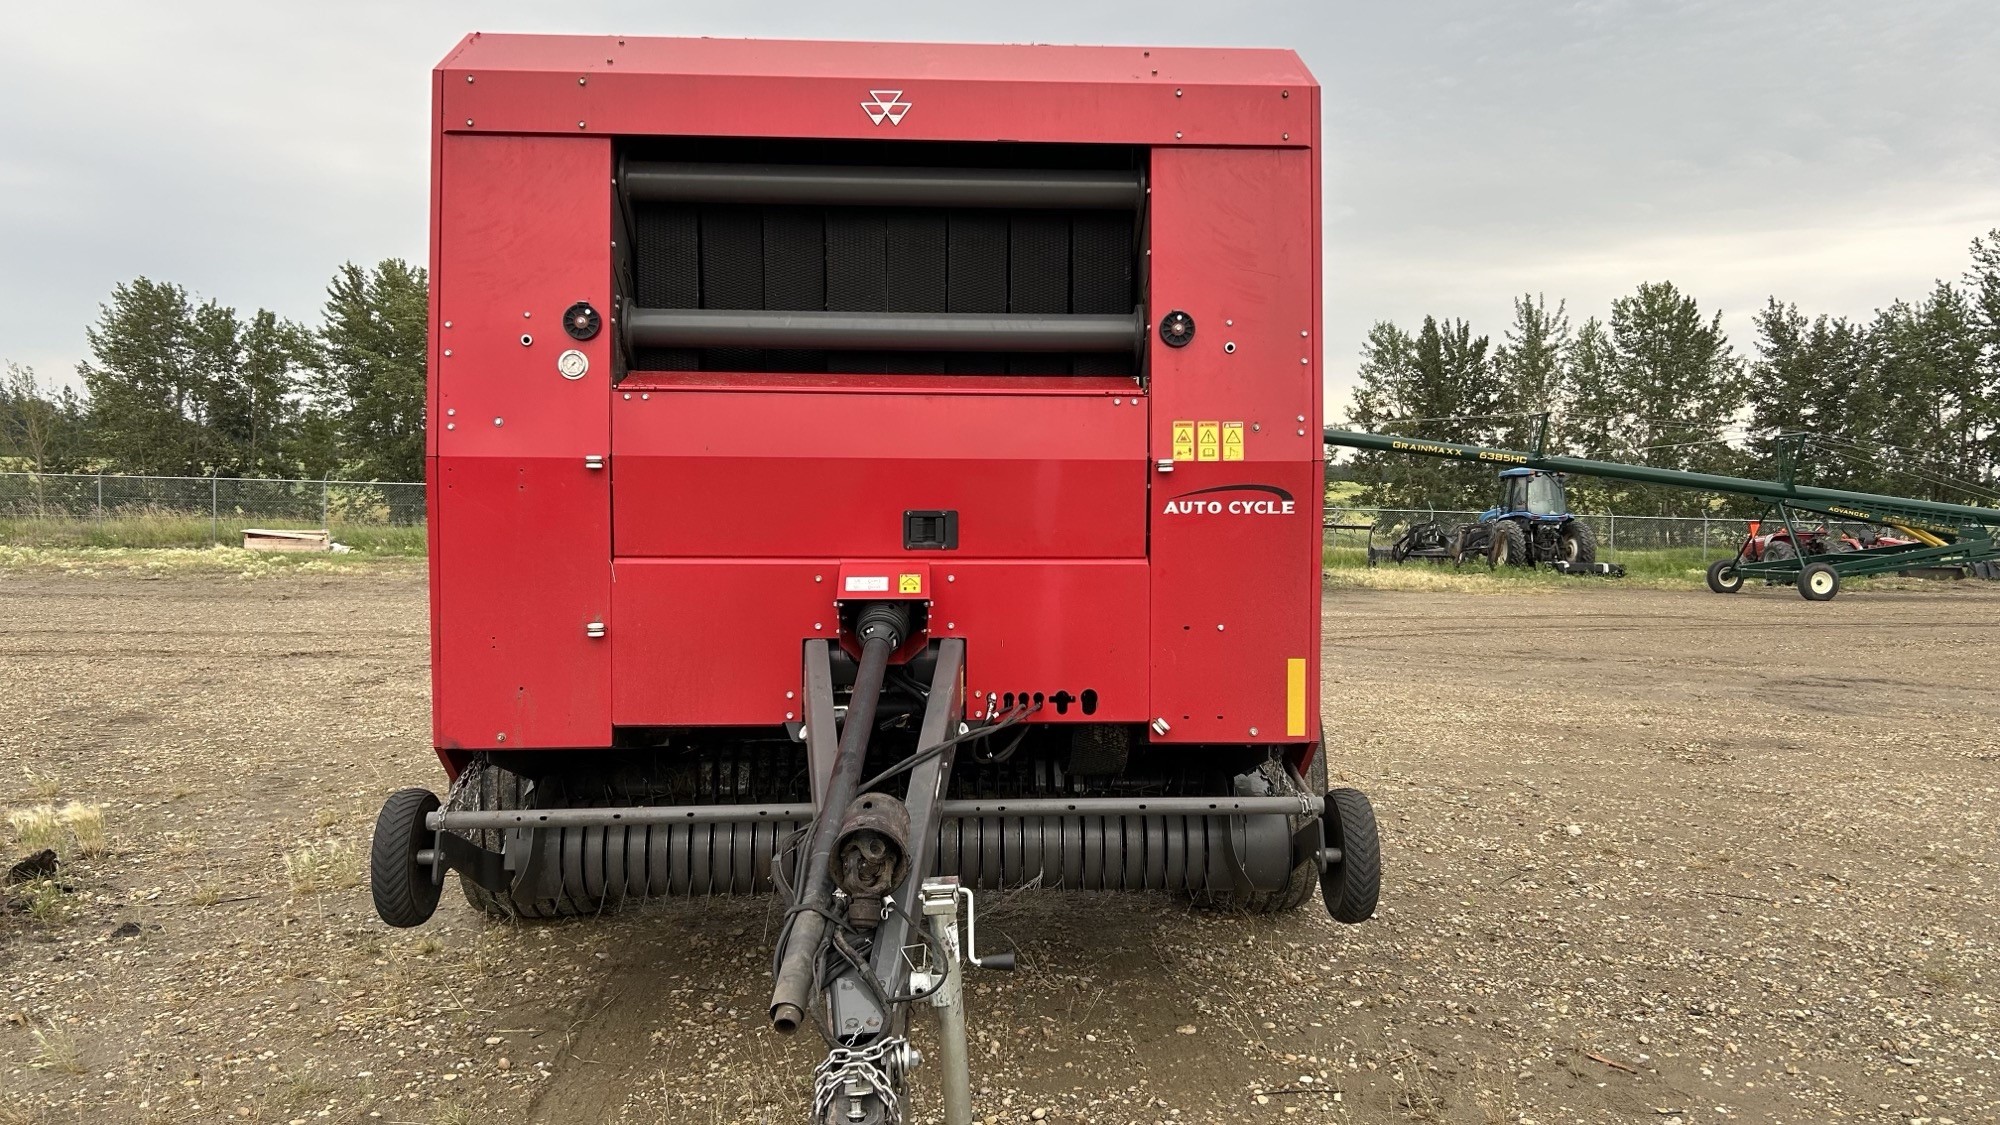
881 627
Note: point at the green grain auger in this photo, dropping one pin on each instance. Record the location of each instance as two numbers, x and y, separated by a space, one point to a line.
1937 534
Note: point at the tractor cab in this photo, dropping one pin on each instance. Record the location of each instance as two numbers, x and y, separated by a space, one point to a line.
1532 493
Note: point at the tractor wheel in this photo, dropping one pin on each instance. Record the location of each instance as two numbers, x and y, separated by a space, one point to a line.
404 892
1509 546
1298 889
1777 550
1819 582
1351 887
1723 577
1579 545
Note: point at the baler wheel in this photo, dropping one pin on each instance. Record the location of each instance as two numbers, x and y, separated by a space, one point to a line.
404 891
1723 577
500 789
1352 886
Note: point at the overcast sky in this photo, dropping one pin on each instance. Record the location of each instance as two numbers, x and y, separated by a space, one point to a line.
1836 153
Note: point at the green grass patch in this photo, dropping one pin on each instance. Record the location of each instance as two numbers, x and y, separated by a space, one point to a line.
1347 567
161 530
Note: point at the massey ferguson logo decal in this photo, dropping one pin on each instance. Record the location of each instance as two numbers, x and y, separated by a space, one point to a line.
1233 499
886 105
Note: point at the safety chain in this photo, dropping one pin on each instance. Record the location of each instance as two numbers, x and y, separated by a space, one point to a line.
859 1074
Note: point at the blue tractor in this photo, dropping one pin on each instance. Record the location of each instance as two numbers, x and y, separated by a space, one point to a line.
1531 525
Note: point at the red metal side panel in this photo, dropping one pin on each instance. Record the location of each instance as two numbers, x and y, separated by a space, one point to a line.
1235 537
737 473
715 642
521 528
778 88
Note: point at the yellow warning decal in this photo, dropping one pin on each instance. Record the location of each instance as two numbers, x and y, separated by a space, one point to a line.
1232 441
1207 441
1295 697
909 583
1183 441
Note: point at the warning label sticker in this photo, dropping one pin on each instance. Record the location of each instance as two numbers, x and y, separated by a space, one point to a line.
909 583
1183 441
1232 441
1208 441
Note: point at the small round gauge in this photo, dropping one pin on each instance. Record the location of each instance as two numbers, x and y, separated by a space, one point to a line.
573 364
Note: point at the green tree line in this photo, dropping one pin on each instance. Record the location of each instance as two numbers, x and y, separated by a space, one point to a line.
1906 402
178 386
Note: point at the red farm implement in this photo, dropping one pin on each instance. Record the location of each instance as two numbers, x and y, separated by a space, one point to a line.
874 473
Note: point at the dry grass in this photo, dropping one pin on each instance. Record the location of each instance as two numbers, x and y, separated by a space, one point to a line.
37 828
44 900
56 1049
43 786
86 827
74 830
327 866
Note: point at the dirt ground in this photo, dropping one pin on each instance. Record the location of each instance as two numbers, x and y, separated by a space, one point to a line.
1651 856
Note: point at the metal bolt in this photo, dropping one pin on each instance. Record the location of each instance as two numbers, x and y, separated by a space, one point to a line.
1305 359
447 353
817 626
468 122
1284 136
499 421
628 396
1302 417
1229 324
1282 94
1218 627
582 81
527 313
580 125
1177 134
1230 347
1253 732
1177 93
451 425
447 324
468 80
452 413
951 624
1117 402
819 578
951 578
1302 433
789 715
1302 332
645 397
526 339
501 737
789 695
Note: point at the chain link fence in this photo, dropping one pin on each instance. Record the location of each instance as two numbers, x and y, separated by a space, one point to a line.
1614 532
40 509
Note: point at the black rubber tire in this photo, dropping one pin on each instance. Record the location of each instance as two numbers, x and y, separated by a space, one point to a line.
1819 582
1352 887
1723 577
404 893
1778 550
1299 886
1579 545
1509 546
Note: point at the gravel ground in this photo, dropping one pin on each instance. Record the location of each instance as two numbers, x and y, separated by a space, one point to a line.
1651 856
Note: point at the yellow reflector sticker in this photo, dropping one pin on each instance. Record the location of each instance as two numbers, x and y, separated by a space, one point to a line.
1295 697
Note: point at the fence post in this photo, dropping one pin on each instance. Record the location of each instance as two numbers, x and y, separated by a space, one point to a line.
100 496
322 507
1704 535
1614 535
214 514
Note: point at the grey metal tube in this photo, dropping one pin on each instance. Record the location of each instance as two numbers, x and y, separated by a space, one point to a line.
466 820
805 184
872 331
799 958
